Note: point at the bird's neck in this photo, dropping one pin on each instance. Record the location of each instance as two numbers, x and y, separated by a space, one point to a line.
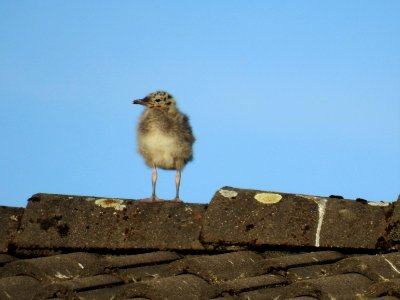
170 111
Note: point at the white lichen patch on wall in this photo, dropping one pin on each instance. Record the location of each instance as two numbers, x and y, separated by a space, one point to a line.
378 203
268 198
117 204
14 218
308 197
228 193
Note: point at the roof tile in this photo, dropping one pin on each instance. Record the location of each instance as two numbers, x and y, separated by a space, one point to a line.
149 272
304 259
392 229
125 261
5 258
377 268
344 287
18 287
351 285
58 221
222 267
10 218
343 218
252 217
57 268
384 298
302 298
236 217
385 288
99 294
311 272
249 283
69 247
66 288
173 288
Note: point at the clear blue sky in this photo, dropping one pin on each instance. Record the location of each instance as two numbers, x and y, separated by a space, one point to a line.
288 96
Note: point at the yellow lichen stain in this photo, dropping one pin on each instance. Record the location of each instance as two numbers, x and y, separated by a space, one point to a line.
268 198
117 204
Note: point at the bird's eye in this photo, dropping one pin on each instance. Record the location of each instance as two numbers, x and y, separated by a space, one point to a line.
157 100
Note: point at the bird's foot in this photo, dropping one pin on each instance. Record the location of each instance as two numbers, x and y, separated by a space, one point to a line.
177 199
152 199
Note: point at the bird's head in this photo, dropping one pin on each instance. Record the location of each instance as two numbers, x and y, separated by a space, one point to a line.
158 100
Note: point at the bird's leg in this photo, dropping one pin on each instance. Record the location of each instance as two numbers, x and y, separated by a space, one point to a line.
153 183
177 184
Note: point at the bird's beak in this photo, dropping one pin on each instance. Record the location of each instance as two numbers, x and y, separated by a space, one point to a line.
140 101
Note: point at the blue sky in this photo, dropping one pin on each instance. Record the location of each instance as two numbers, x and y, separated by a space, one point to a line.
287 96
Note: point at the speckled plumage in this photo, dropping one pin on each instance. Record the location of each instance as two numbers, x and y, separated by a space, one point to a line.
165 139
164 136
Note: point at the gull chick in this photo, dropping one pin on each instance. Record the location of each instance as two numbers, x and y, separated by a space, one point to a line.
164 137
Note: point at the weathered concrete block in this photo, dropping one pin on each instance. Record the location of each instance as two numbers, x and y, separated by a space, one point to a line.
352 224
392 231
10 218
59 221
235 218
252 217
260 218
